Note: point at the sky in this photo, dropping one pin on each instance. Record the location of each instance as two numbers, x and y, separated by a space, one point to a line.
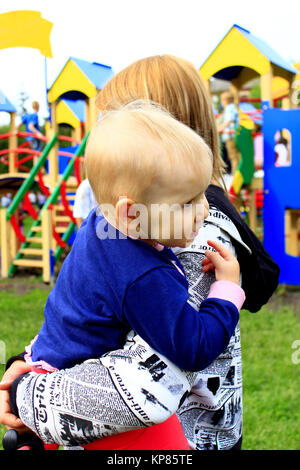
118 32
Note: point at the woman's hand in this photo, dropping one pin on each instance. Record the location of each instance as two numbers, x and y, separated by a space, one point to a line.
6 417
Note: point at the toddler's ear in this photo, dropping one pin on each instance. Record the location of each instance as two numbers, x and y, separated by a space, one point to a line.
122 211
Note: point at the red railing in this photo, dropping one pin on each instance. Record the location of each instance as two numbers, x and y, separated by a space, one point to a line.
30 153
24 149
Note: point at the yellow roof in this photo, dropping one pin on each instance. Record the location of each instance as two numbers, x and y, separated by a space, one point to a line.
65 115
242 54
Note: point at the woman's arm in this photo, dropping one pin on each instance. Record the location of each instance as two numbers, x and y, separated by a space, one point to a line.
128 389
125 390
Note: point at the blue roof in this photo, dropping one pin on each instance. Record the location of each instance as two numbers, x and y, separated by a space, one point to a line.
77 107
98 74
5 104
266 50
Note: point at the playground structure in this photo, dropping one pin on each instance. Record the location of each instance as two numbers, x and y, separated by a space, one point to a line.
56 174
71 98
239 58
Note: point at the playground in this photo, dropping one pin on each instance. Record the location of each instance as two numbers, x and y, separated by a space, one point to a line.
57 170
38 185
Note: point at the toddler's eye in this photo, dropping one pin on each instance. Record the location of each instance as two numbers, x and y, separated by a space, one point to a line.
188 203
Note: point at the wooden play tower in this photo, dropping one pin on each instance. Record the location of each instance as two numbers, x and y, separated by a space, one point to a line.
239 58
57 173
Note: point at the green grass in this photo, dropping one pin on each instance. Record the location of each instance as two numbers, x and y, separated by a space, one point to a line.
21 316
271 380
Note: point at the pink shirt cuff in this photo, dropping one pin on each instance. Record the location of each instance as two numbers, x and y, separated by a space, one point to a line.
228 290
37 364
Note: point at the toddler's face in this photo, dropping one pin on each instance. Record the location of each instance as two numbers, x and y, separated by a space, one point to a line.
178 208
178 224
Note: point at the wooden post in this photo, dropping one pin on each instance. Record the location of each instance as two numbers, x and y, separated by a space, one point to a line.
288 102
92 111
13 241
76 134
87 116
53 161
53 155
234 88
291 232
266 87
252 210
5 248
12 144
46 244
256 184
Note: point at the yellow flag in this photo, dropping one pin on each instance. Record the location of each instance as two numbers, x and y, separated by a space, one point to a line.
25 29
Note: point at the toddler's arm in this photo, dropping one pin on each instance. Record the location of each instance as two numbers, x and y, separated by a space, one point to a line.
168 323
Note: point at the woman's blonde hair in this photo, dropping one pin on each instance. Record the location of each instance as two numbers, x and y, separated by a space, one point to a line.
175 84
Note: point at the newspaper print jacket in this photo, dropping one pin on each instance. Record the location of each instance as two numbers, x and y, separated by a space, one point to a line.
136 387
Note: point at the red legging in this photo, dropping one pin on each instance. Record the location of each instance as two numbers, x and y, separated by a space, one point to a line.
165 436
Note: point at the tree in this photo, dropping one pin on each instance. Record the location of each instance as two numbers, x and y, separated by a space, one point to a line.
22 99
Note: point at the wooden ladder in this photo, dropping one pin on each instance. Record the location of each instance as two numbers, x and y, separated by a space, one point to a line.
28 256
41 249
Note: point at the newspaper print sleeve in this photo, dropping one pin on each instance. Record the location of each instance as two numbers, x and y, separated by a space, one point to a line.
127 389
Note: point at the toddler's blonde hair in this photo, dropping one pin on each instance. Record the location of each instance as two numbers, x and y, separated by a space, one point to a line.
132 146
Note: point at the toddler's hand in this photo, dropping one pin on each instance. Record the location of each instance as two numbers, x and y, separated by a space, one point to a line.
223 262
